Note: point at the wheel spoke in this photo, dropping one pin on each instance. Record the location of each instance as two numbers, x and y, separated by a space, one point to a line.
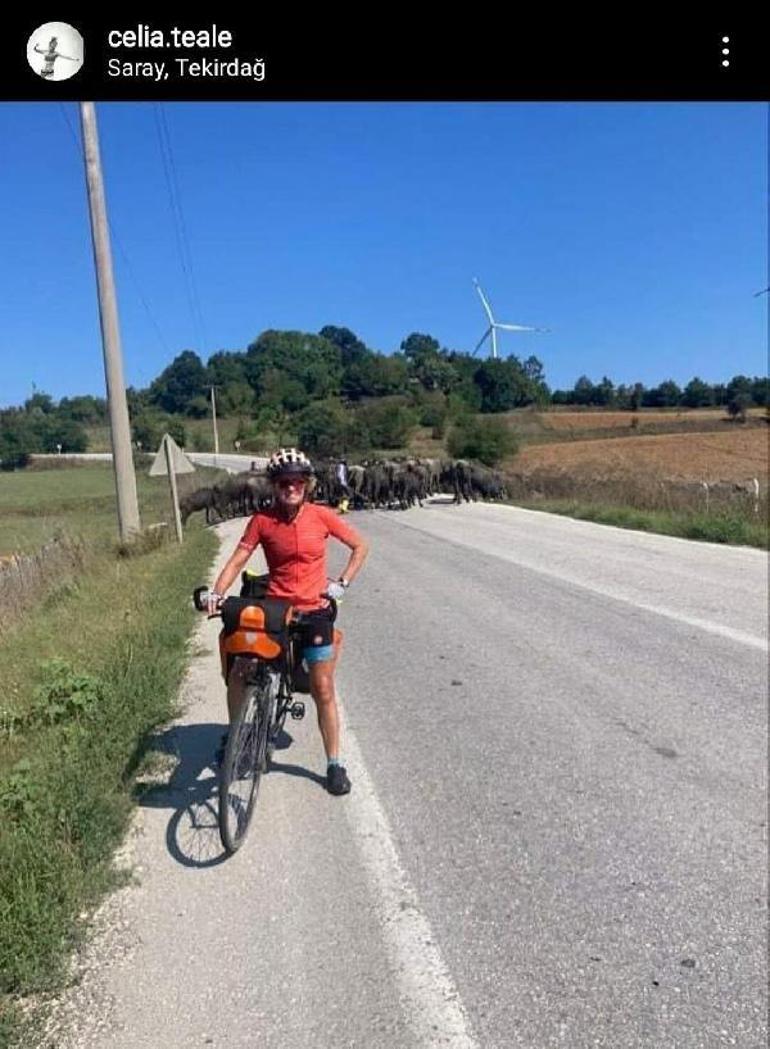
244 761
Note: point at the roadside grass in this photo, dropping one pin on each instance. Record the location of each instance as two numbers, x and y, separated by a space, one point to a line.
84 678
36 504
724 526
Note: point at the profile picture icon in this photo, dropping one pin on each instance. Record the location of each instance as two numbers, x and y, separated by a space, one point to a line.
55 51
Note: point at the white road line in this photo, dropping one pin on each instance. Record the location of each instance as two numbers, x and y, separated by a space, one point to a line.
435 1010
742 638
752 640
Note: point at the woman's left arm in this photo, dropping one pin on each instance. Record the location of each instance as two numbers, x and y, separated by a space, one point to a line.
348 535
359 553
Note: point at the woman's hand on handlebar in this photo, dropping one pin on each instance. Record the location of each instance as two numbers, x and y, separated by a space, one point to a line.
214 602
334 591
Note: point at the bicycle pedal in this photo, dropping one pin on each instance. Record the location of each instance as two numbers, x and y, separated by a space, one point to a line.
297 711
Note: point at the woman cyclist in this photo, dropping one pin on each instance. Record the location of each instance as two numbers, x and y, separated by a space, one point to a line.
293 534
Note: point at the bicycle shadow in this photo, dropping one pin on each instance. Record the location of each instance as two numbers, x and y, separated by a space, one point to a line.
296 770
192 834
191 791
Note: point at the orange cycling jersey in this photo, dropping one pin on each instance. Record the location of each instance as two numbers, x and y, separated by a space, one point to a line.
295 550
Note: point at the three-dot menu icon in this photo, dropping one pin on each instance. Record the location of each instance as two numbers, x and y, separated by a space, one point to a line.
725 51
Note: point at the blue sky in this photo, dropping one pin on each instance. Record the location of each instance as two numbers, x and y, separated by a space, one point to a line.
637 232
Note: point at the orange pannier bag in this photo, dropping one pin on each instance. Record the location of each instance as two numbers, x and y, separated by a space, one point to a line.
257 627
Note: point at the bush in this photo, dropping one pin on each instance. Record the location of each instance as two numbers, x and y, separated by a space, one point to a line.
433 415
148 428
65 432
488 440
388 425
14 461
177 430
322 429
737 406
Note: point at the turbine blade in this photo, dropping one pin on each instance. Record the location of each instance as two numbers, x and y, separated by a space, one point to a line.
484 303
519 327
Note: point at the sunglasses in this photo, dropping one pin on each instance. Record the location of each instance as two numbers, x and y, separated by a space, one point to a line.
291 482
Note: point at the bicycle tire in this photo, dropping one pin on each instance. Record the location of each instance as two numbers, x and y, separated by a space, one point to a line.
242 766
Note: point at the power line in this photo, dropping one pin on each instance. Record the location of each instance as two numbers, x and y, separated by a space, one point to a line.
123 253
180 228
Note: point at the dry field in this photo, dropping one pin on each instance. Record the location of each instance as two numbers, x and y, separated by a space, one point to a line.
736 455
600 420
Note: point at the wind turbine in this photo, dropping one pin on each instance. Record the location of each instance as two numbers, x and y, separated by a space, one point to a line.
494 325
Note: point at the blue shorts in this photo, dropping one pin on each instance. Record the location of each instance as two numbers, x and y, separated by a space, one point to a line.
317 636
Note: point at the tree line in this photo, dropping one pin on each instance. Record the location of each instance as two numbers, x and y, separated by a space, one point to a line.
330 391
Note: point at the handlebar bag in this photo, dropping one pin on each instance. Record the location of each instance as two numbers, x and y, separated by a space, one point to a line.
256 626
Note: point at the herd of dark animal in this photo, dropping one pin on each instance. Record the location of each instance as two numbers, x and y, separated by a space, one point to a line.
372 484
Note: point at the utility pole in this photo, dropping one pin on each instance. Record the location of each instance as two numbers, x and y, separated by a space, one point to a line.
214 419
120 430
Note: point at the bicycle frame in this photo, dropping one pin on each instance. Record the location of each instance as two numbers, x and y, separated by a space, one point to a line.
283 669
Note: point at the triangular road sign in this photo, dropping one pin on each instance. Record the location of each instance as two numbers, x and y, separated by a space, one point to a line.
180 464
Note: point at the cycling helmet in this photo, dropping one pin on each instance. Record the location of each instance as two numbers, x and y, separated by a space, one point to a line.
289 461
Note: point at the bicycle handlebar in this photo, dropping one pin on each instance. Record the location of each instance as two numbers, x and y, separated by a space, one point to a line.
201 602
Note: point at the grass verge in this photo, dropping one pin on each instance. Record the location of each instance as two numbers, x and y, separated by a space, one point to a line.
83 679
726 527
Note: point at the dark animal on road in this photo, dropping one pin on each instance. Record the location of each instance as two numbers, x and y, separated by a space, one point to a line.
202 499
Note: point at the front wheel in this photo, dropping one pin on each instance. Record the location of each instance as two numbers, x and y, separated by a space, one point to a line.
243 763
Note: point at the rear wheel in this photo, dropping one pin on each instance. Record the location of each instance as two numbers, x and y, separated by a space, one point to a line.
276 723
244 761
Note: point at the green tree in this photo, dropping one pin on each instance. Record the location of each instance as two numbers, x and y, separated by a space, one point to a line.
417 347
356 381
503 385
697 394
487 440
739 385
377 375
322 429
309 360
432 367
226 368
738 405
138 401
176 386
39 404
18 437
91 411
236 398
149 427
282 392
666 395
583 391
637 397
534 373
389 424
352 350
69 434
603 393
199 407
176 429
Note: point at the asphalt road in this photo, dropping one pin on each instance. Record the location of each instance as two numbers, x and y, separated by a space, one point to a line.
231 463
557 734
